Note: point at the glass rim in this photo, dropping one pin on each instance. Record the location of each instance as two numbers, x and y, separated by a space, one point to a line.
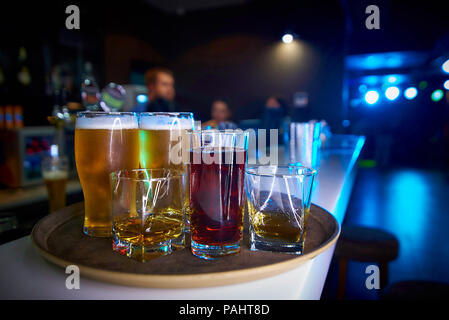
178 174
306 171
222 131
171 114
103 113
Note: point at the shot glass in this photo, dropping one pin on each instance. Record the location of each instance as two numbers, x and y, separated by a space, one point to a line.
278 202
147 212
217 170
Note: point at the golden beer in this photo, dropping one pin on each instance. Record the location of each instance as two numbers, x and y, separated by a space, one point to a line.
56 181
164 144
104 143
164 149
164 141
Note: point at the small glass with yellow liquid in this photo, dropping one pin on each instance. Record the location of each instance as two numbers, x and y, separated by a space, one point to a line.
278 203
55 171
147 212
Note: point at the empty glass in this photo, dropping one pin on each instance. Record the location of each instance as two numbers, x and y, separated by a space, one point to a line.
303 143
278 201
147 211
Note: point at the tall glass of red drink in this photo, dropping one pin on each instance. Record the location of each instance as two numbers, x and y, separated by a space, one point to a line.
217 169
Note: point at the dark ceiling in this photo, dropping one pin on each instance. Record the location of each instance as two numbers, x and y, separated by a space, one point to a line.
410 25
183 6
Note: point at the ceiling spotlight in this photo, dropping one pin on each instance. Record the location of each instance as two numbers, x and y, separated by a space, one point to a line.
287 38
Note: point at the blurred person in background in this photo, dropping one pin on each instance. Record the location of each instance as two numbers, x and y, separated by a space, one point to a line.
161 86
221 115
274 113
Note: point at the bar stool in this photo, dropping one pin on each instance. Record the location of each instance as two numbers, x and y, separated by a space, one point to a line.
365 245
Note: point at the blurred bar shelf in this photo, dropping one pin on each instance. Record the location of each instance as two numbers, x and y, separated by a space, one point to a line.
22 269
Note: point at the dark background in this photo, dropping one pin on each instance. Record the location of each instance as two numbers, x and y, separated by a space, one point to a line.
232 49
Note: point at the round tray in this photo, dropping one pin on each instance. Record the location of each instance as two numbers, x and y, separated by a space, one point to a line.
59 239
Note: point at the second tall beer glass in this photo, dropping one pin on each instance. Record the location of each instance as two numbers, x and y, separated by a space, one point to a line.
164 144
104 143
164 140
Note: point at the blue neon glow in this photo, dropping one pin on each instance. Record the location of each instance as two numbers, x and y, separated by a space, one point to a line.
392 93
445 66
392 79
446 85
371 97
410 93
363 88
142 98
406 185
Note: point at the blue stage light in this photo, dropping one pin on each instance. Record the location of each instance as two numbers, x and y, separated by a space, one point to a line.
445 66
437 95
410 93
446 85
392 93
371 97
142 98
392 79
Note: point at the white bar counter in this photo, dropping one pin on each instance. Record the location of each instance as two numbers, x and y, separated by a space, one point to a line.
24 274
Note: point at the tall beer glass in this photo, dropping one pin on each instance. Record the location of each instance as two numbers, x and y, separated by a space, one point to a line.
164 144
164 141
104 143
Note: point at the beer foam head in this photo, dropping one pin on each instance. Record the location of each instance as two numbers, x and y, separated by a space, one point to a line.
162 122
55 175
115 122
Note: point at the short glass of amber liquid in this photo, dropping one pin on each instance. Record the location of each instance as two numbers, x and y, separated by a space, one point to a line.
148 212
217 196
278 202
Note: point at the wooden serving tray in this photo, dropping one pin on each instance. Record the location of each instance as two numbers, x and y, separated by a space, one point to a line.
58 237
